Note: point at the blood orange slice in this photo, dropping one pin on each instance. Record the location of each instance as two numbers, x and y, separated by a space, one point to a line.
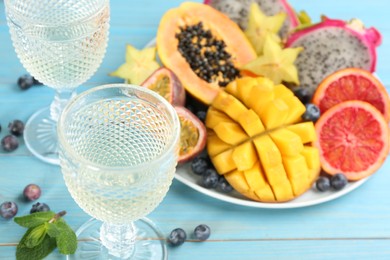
352 139
352 84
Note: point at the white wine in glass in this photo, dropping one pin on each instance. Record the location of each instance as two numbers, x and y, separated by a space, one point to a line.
62 44
118 154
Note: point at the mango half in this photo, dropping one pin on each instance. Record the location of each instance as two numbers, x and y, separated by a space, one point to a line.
257 140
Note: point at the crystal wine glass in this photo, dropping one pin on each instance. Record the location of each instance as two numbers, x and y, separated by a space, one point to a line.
118 154
62 44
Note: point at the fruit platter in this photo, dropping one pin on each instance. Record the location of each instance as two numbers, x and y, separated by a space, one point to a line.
276 111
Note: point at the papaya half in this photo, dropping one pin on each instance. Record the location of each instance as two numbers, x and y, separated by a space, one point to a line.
203 47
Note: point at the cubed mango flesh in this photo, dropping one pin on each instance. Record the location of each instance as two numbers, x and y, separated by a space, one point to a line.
257 140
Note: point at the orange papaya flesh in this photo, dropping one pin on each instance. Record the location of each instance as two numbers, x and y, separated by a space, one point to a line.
218 45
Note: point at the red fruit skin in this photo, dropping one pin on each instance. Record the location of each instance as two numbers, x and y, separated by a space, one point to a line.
178 95
371 37
201 144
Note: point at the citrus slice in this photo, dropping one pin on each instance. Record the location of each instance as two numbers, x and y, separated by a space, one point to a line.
352 138
352 84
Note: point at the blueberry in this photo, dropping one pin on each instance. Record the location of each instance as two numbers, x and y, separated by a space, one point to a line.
224 185
32 192
312 113
25 82
210 179
323 183
338 181
8 209
16 127
177 237
201 115
9 143
191 108
199 165
37 82
202 232
39 207
303 94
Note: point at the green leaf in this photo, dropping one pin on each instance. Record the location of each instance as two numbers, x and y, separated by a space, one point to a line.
52 229
66 240
47 245
35 219
36 236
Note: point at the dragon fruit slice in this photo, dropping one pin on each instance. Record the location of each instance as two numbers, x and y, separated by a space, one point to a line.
333 45
238 11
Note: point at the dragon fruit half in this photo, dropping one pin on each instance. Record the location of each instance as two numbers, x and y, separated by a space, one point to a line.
238 11
333 45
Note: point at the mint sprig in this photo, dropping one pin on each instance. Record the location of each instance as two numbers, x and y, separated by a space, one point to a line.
46 231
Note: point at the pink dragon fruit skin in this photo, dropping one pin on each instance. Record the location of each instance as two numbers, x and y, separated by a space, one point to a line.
333 45
238 10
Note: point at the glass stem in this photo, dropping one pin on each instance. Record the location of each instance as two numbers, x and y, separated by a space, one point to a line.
118 239
61 98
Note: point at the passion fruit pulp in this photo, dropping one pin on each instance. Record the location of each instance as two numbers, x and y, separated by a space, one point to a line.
192 135
165 82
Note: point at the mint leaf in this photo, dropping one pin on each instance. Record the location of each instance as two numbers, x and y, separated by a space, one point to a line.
66 239
47 245
35 236
52 229
35 219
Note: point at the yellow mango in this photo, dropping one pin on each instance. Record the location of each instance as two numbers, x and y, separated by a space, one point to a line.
238 182
296 167
231 88
265 194
255 177
295 109
244 156
256 139
288 142
259 97
251 123
230 133
276 175
299 186
244 87
275 115
214 117
267 151
281 91
258 183
216 145
312 157
305 130
229 105
283 191
223 162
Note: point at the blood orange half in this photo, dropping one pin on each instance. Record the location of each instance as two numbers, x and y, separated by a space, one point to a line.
353 138
352 84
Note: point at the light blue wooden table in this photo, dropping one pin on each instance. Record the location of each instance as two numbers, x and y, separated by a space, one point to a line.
355 226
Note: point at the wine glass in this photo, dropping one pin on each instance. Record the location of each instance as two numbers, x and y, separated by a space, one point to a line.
118 153
61 44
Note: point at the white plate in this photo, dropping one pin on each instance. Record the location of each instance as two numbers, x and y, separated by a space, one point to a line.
309 198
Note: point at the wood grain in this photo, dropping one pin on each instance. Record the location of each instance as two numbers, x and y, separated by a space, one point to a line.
356 226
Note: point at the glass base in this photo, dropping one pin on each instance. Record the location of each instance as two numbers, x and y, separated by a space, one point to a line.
40 136
149 244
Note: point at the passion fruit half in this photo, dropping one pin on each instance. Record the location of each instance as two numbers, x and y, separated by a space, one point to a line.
165 82
192 135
